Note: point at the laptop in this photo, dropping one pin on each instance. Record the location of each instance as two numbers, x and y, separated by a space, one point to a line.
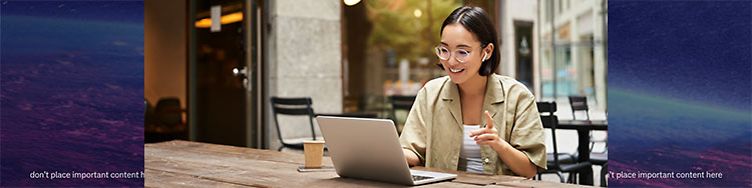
369 149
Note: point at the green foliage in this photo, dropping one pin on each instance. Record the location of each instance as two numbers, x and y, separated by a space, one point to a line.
397 27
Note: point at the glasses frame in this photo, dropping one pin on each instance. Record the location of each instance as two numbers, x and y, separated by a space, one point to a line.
454 53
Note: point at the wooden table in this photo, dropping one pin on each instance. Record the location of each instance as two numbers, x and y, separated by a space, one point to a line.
583 128
193 164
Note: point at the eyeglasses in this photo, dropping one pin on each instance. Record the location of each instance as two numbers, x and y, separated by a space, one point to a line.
444 54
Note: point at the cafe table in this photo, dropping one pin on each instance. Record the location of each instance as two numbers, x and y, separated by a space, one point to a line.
193 164
583 128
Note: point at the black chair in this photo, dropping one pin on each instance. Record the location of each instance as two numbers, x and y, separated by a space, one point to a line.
602 160
579 103
164 122
168 112
150 118
400 103
557 163
293 107
604 172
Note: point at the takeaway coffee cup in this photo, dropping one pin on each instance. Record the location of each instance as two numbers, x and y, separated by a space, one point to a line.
314 153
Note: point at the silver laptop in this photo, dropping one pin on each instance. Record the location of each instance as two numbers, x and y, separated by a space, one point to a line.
369 149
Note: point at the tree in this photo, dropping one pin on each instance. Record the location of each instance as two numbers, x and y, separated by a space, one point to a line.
410 27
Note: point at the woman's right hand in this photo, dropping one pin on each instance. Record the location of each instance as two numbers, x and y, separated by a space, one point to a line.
412 159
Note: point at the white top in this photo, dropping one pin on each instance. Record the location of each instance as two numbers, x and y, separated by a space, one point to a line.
470 158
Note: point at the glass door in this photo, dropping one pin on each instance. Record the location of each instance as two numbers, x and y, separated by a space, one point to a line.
222 74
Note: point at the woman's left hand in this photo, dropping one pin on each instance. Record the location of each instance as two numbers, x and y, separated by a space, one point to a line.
488 135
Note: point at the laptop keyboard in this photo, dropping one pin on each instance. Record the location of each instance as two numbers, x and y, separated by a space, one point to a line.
418 178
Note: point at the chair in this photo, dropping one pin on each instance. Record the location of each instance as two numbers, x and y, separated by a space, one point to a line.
602 160
149 114
400 103
604 173
293 107
168 112
164 122
558 162
579 103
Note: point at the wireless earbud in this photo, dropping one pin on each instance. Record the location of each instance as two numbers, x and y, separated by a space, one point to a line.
484 56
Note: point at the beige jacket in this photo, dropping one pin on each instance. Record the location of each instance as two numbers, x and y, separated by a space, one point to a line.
433 129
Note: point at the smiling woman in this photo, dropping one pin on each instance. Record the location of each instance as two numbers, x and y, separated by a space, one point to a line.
496 116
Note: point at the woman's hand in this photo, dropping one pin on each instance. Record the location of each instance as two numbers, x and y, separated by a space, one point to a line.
489 136
412 159
515 159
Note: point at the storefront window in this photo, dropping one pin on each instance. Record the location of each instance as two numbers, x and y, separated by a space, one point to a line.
389 50
573 61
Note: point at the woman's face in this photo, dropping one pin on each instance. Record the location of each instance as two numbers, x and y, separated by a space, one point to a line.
461 44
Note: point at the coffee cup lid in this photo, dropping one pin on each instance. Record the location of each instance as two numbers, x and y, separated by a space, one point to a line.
313 142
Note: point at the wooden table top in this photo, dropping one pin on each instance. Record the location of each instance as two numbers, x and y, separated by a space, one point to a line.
194 164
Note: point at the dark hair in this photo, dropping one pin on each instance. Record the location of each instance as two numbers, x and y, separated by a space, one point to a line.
475 20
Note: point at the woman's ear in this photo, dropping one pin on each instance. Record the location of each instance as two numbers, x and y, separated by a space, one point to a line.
486 51
489 48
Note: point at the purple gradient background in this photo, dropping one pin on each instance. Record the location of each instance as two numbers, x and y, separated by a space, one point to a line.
680 91
71 75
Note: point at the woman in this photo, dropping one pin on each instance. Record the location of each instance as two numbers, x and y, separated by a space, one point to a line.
473 119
